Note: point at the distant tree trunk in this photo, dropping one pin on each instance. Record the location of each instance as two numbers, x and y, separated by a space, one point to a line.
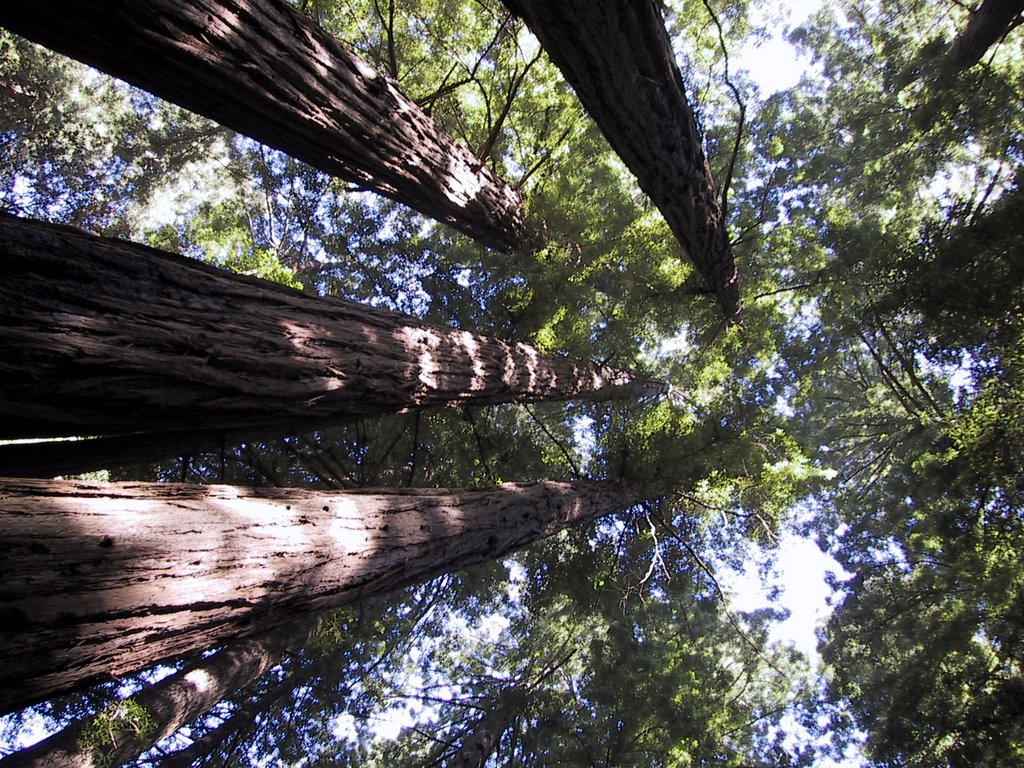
617 56
484 736
261 68
108 579
128 728
241 719
73 457
104 337
50 458
987 25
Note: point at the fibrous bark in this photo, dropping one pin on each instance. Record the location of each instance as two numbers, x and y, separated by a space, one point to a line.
104 337
264 70
617 56
987 25
128 728
107 579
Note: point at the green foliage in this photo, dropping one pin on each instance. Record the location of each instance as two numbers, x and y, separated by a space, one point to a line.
102 733
596 674
82 149
901 246
220 234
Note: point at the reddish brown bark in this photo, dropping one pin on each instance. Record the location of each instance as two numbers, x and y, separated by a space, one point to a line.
617 56
264 70
160 710
107 579
104 337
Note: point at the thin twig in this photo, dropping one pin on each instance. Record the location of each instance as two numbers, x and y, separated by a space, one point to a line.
557 442
727 181
721 594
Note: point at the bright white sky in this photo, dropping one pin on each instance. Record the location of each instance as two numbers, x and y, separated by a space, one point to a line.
773 64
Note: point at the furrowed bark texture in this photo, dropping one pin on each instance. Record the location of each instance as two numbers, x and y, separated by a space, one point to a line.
617 56
987 25
261 68
104 579
103 337
160 710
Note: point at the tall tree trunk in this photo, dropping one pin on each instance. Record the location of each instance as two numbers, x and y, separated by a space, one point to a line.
104 337
51 458
482 740
261 68
986 26
107 579
128 728
241 720
617 56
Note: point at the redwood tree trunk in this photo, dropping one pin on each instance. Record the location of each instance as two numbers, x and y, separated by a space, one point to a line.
107 579
74 457
104 337
617 56
159 710
242 721
261 68
483 738
987 25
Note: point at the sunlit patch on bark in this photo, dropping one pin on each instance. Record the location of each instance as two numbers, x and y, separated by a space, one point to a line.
299 335
472 346
367 72
528 359
200 680
427 341
347 529
464 181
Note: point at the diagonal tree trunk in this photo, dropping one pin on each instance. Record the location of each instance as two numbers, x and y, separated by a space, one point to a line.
484 735
242 721
104 337
51 458
129 727
617 56
107 579
261 68
986 26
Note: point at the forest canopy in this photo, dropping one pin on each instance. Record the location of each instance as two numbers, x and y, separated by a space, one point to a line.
556 556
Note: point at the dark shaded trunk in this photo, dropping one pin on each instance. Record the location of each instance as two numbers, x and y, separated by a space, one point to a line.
128 728
987 26
483 738
104 337
261 68
106 579
51 458
617 56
